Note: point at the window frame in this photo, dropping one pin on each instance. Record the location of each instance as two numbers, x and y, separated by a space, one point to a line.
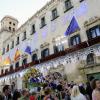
90 59
53 14
42 53
17 42
12 44
16 64
7 49
3 52
74 38
43 22
35 55
67 8
24 36
24 63
90 34
33 29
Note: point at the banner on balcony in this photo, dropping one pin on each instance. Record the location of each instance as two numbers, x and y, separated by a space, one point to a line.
73 27
17 55
28 50
7 61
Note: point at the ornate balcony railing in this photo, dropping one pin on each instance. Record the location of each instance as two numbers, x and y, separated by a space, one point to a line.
80 46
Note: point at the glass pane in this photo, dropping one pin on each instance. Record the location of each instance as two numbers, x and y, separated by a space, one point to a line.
98 31
46 53
74 41
93 33
77 40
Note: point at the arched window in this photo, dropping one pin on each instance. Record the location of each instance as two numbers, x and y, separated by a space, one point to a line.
24 61
11 67
45 53
90 58
17 65
34 57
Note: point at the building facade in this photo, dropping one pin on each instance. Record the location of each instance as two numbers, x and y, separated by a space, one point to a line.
77 56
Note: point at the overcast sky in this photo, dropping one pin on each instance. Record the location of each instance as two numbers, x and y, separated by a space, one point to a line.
20 9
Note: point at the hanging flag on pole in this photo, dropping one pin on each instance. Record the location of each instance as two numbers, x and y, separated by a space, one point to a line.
28 50
17 55
73 27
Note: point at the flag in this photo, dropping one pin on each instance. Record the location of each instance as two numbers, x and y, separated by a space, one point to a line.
7 61
28 50
17 55
73 27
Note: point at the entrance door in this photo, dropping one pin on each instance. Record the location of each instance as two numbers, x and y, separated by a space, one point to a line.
95 75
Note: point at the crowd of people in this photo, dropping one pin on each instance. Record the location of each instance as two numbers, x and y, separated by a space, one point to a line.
55 88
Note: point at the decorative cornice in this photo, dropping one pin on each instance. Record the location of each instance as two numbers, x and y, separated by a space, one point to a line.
44 45
7 16
91 21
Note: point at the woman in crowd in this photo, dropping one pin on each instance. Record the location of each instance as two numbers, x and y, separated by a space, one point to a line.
76 95
96 89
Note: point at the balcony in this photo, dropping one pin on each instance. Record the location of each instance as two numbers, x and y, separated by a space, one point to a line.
80 46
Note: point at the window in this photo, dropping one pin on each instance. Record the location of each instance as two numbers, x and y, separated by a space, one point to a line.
58 48
24 62
24 36
54 14
45 53
11 67
43 22
14 29
9 22
93 32
75 40
90 58
12 45
3 51
33 29
68 5
13 24
34 57
2 71
17 40
7 48
81 0
10 28
17 65
6 71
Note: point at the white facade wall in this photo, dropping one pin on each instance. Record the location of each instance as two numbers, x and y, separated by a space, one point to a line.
82 11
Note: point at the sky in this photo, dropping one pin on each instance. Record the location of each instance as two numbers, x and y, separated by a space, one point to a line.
20 9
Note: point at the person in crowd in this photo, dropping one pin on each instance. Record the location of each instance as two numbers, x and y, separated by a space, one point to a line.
96 89
6 93
83 90
33 96
76 95
48 95
25 95
89 90
1 96
16 95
